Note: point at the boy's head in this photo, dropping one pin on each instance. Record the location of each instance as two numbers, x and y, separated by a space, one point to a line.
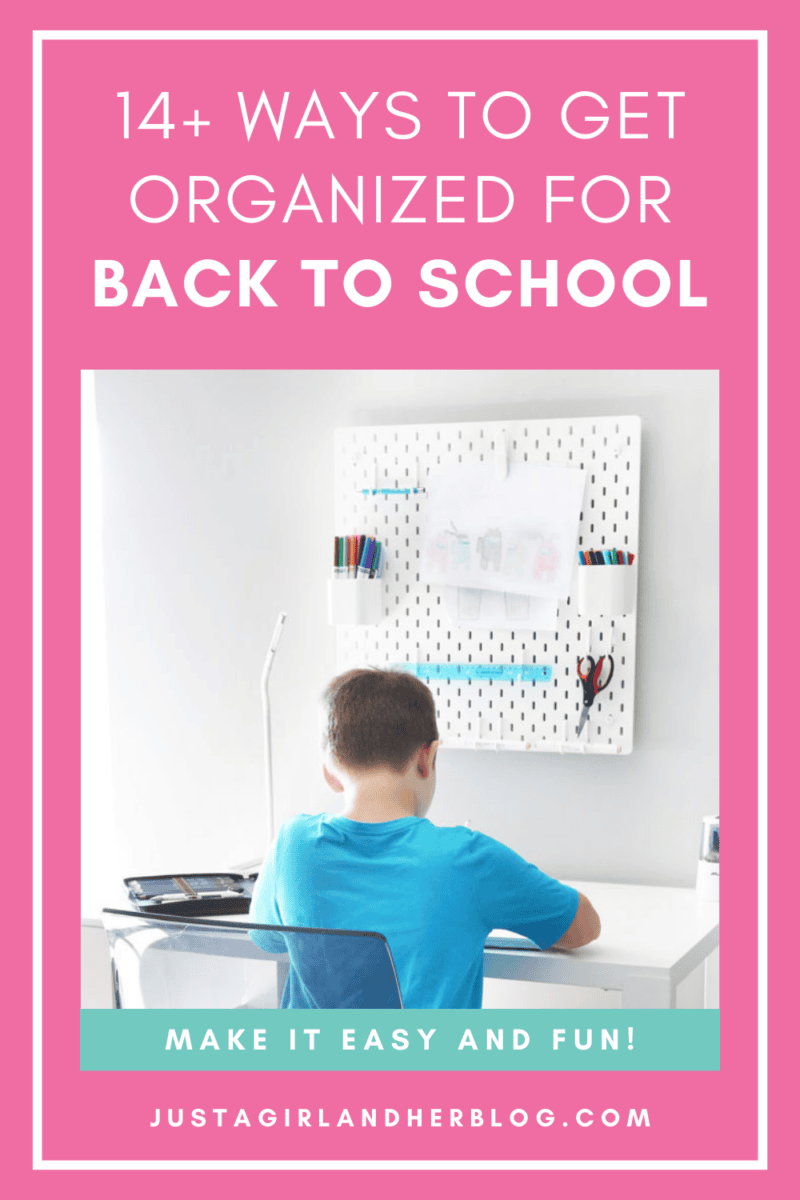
374 719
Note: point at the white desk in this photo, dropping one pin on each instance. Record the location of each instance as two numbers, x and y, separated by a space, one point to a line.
651 939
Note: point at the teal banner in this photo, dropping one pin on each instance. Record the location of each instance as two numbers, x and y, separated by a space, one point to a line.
402 1040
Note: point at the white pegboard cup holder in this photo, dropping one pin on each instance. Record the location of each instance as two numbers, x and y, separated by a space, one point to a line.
607 591
355 601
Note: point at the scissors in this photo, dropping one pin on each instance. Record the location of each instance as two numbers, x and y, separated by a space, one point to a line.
591 680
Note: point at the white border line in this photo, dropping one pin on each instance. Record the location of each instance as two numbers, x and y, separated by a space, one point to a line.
384 35
36 514
399 1165
39 37
763 661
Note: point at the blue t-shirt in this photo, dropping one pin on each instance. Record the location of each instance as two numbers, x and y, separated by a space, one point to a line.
434 893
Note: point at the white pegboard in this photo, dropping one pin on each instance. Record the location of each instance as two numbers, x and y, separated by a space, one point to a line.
532 716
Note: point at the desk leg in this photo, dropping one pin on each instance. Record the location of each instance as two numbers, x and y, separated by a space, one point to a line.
283 975
648 991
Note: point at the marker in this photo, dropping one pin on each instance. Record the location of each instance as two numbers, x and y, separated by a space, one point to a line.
376 558
336 557
390 491
366 558
360 550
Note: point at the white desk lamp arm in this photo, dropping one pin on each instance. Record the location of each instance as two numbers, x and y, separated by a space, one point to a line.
273 646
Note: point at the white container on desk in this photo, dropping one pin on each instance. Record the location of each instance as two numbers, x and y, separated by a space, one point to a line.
708 863
355 601
608 590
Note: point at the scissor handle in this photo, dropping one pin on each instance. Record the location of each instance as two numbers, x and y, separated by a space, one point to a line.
582 658
596 684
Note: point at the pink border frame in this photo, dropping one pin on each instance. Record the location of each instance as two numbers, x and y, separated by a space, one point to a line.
782 422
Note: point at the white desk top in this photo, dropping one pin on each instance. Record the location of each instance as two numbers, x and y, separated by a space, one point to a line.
660 933
656 931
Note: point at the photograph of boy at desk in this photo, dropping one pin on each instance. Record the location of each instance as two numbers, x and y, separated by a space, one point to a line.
200 524
380 865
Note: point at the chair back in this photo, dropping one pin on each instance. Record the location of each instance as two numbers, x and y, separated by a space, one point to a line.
195 962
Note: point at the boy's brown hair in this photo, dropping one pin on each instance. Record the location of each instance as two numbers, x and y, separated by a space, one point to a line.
378 718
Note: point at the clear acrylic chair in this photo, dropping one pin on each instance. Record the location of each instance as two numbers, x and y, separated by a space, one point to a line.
199 962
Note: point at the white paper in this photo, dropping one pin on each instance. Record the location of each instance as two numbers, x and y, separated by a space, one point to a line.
517 535
478 609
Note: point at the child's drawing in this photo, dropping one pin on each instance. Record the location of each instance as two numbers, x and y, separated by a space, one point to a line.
449 550
472 608
545 562
490 549
517 535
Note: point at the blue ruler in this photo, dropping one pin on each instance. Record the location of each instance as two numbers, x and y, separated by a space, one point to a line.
509 673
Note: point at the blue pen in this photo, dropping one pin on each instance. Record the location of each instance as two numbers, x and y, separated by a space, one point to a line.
581 558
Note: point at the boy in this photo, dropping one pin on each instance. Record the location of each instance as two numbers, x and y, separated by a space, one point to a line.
434 893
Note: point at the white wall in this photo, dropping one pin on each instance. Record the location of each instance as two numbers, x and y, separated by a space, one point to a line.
218 494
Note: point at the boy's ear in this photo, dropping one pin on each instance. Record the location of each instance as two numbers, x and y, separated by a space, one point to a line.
331 780
427 759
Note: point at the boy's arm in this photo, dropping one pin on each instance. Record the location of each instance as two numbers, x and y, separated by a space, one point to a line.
585 927
511 893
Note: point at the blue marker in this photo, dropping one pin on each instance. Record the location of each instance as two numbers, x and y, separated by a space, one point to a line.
366 558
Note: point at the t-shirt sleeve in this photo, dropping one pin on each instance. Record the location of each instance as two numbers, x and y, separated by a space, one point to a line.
264 907
511 893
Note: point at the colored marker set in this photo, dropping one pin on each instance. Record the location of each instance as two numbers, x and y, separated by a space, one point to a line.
357 557
358 562
606 593
605 558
